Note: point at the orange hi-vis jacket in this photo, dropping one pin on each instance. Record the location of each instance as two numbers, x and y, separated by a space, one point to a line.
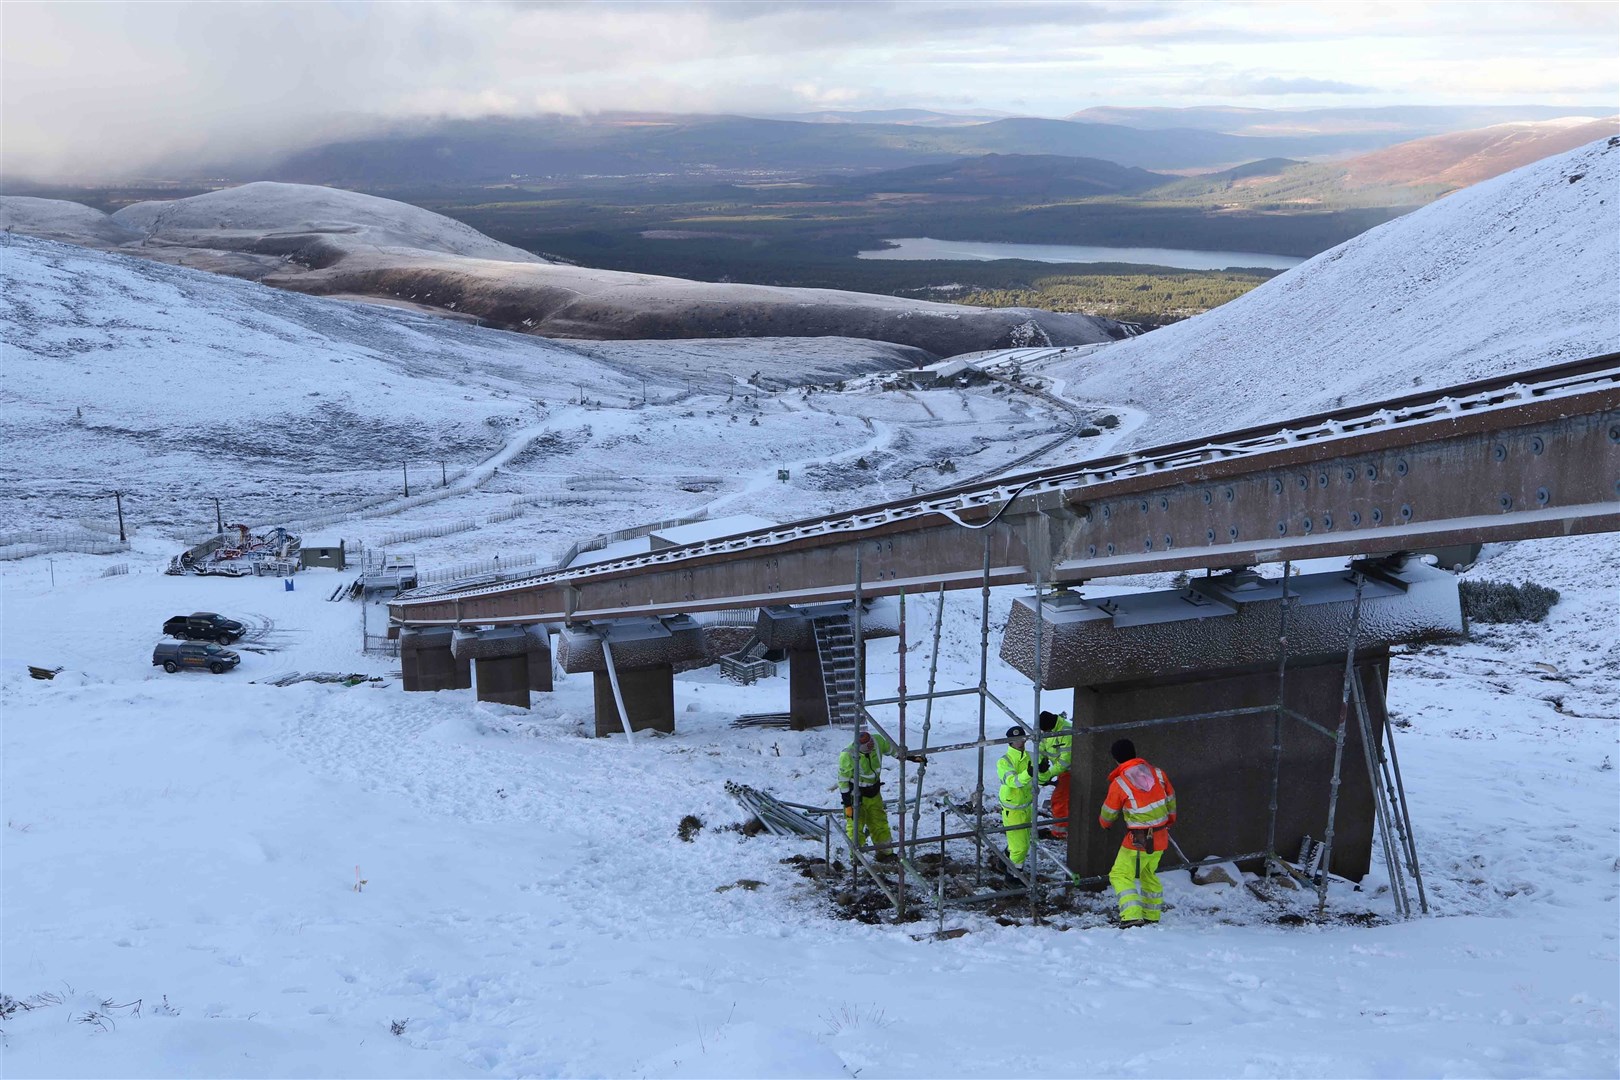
1143 793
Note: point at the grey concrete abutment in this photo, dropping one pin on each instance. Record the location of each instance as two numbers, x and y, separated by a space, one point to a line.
1214 647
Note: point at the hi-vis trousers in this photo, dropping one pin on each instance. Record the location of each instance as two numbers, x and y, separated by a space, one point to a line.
1135 878
872 819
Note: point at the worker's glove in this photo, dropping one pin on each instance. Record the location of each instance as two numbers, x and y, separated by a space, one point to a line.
1046 765
846 798
917 759
849 811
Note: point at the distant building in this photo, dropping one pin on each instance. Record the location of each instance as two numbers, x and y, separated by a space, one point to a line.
323 553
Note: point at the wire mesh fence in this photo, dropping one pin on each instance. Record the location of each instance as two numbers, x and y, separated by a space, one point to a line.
406 536
490 567
20 545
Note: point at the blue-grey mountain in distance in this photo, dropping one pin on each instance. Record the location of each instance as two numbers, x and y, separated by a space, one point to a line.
923 247
498 149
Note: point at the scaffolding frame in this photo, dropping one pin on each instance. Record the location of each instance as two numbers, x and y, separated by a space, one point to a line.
1392 816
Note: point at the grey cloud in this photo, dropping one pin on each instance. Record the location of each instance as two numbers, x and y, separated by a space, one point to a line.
90 86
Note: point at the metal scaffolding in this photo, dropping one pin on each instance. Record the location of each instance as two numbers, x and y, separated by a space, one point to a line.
909 885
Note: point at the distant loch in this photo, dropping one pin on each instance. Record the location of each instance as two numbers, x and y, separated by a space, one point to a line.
922 247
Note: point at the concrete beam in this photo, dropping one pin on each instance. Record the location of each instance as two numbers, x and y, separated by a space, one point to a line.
1226 623
637 643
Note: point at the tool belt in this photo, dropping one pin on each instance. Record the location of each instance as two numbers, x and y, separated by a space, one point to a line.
1142 839
870 791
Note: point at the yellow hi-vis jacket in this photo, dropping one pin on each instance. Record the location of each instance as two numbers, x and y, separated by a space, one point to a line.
1017 786
1057 747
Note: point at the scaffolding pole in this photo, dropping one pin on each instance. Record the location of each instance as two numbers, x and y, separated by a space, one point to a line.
1033 757
1400 791
1277 727
900 749
984 694
1338 749
852 827
1381 812
928 722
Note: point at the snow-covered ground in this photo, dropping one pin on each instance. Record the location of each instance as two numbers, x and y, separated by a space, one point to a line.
181 854
193 842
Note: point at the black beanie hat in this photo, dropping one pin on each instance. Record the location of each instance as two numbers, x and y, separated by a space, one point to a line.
1048 721
1123 750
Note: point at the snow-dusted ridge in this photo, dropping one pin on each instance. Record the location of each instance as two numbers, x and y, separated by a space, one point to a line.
1517 272
332 242
255 214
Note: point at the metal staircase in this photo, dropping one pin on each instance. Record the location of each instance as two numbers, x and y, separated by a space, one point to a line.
835 646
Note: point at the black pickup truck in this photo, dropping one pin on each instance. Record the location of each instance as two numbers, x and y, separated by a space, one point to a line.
173 658
204 626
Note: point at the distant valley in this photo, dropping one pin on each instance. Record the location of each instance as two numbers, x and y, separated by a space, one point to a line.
790 202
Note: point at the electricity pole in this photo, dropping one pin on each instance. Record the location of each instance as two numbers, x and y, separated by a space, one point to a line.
119 495
219 519
406 469
443 480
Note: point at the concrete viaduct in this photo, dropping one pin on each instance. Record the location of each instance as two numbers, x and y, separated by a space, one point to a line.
1532 454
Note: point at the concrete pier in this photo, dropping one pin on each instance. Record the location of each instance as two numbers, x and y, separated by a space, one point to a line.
791 629
427 663
503 678
649 700
644 654
1213 647
1221 769
508 661
807 694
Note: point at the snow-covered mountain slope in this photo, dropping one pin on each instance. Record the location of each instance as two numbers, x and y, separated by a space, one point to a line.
177 386
330 242
1516 272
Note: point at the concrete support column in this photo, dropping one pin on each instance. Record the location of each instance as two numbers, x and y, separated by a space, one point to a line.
427 663
1221 769
649 700
807 693
504 679
539 654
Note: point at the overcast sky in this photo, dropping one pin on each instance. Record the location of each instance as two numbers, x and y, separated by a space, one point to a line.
103 87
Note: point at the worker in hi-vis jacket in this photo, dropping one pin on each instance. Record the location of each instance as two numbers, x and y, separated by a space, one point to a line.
1142 793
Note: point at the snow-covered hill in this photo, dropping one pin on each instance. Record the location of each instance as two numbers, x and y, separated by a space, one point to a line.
255 214
57 219
339 243
1516 272
177 387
